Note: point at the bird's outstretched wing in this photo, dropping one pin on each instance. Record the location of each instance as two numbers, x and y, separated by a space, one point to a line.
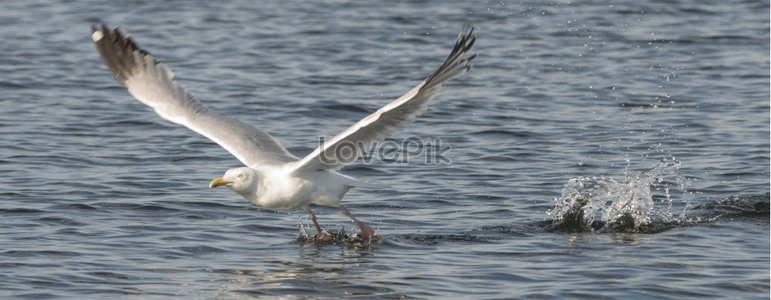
346 146
152 83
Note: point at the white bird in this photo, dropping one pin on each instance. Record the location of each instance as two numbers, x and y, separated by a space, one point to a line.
273 177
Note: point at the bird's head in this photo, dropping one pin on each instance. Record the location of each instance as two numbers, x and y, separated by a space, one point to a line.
243 181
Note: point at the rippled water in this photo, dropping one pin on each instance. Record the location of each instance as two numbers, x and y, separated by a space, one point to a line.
566 102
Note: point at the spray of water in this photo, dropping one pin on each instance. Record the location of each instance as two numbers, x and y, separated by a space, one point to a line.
627 204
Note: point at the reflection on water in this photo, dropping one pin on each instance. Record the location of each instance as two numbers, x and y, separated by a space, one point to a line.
316 271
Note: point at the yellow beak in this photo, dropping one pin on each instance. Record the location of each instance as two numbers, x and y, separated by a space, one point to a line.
219 181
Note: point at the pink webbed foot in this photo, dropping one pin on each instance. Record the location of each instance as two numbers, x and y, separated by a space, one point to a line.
367 233
323 237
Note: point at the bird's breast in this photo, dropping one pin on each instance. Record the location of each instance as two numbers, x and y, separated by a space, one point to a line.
291 192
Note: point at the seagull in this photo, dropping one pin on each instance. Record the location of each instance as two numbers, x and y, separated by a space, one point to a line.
271 176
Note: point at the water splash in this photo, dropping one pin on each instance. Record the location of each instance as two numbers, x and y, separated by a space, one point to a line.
628 204
334 237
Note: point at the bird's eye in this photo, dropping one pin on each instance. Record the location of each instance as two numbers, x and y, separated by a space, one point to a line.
241 176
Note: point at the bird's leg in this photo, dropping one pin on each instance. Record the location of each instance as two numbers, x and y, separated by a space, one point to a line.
367 233
320 234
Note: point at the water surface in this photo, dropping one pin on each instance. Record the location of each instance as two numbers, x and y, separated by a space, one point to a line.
660 107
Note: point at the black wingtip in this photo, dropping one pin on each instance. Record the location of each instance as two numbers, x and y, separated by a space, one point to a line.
467 33
459 58
471 57
116 49
101 28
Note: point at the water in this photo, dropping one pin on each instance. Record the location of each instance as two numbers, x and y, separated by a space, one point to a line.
652 117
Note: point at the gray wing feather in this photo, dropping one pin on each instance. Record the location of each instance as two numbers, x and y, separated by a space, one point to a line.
152 83
392 117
